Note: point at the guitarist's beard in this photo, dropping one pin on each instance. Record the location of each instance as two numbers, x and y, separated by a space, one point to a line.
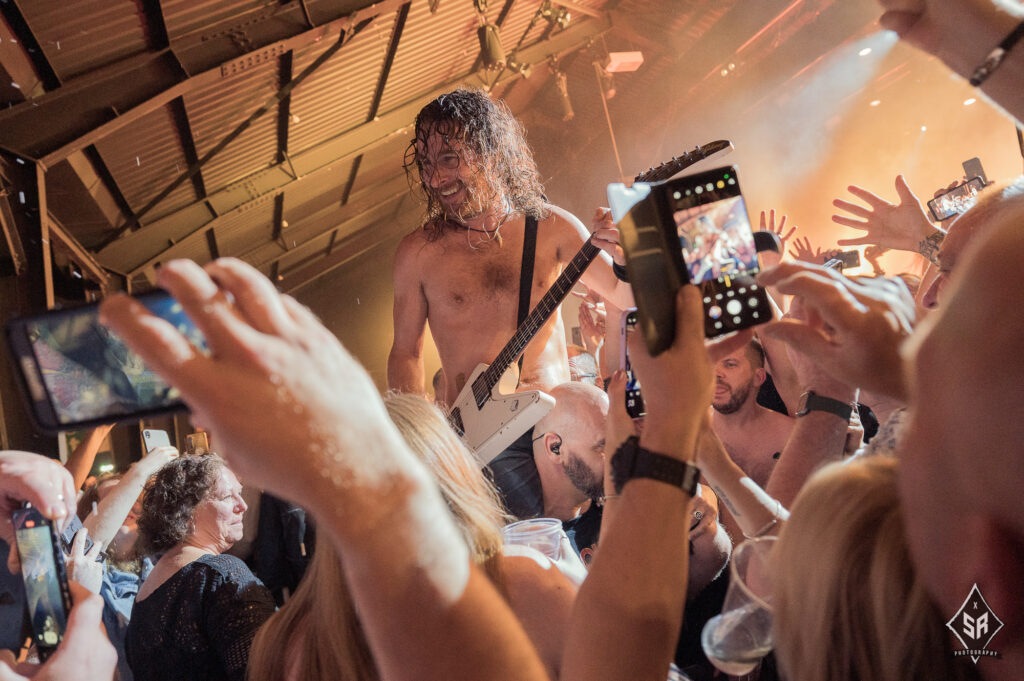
479 201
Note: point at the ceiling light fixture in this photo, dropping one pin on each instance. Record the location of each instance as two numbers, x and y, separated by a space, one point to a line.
622 62
518 67
555 15
491 52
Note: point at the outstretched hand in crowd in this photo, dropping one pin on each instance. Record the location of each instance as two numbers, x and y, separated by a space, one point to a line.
851 328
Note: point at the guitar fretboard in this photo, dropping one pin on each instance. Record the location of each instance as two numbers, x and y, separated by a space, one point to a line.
485 383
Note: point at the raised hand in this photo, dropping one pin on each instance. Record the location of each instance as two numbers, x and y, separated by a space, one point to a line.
902 225
268 356
605 235
770 258
768 225
851 329
39 480
593 324
84 567
872 254
802 251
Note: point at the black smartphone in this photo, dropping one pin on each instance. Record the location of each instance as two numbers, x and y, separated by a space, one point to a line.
692 229
634 400
46 582
956 200
75 373
972 168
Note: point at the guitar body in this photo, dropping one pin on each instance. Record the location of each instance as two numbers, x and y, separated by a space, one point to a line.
489 429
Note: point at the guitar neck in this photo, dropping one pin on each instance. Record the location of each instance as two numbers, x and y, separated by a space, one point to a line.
540 314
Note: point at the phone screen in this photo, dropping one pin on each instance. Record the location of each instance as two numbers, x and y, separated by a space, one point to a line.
76 372
42 569
718 249
634 400
956 200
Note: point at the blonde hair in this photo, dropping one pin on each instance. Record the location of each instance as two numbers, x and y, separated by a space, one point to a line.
317 633
849 605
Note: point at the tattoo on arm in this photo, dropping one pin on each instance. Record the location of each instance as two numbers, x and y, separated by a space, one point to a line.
724 498
929 246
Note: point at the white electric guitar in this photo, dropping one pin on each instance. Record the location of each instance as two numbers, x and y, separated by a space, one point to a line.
489 421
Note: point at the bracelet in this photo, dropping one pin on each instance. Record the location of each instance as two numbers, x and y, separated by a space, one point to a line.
996 56
768 525
620 272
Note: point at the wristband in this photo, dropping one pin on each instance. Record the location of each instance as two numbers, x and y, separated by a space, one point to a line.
996 56
811 401
632 461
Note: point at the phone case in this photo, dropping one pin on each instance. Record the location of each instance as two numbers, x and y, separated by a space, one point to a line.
634 399
45 576
665 219
155 438
75 374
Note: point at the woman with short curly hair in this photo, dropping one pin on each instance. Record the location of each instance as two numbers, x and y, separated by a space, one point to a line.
197 613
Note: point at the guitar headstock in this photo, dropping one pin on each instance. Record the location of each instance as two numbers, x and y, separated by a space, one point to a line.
684 161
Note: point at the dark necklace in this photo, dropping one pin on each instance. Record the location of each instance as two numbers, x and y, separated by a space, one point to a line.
468 228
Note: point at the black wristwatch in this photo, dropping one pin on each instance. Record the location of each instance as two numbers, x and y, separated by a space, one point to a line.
811 401
633 461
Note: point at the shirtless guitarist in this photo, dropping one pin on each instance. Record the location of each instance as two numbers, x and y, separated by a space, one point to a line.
459 272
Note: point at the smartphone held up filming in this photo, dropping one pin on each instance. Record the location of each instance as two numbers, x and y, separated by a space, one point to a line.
692 229
634 400
151 439
956 200
77 374
46 583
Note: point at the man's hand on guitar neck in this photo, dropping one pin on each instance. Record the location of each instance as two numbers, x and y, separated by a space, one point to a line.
605 235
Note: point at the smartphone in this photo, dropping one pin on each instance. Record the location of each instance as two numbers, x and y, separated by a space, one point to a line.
155 438
634 400
844 259
972 168
76 374
692 229
197 443
67 535
46 582
956 200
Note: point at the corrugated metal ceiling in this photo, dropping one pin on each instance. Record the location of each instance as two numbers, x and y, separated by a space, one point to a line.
194 144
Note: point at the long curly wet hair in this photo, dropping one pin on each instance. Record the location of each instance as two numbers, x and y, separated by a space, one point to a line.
494 143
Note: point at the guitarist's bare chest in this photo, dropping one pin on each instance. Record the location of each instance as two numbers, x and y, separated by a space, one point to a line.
460 277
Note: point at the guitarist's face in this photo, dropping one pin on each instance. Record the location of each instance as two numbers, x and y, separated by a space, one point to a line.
454 176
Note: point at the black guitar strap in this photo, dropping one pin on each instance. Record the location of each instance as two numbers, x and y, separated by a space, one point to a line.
526 273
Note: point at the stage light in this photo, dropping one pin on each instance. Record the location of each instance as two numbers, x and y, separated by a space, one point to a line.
491 52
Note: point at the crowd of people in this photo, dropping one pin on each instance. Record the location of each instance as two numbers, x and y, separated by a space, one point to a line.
896 541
